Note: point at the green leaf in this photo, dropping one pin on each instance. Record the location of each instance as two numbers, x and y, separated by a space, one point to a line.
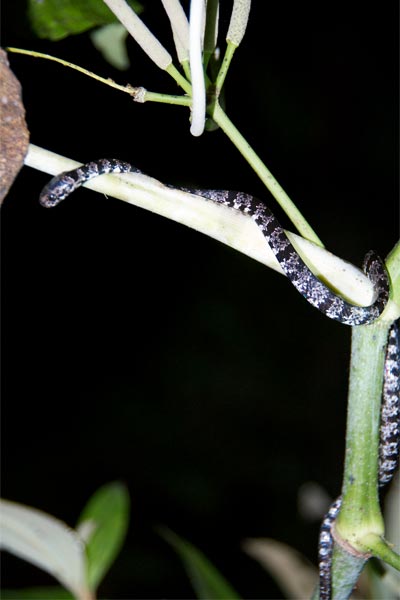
207 582
37 593
110 41
103 525
56 19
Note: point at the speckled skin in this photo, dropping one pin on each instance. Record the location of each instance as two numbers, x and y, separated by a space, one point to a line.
64 184
314 291
389 446
309 286
390 413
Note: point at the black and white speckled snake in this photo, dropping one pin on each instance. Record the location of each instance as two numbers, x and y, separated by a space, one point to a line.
389 446
314 291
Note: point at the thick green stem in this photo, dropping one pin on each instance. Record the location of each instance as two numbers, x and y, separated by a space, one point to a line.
264 174
346 571
360 522
360 514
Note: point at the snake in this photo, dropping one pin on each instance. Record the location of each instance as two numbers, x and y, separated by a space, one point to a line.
299 274
317 293
388 460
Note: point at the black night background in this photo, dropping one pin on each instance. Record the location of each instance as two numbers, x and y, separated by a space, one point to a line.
138 350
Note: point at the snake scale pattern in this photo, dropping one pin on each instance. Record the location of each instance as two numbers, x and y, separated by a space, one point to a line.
389 446
309 286
315 292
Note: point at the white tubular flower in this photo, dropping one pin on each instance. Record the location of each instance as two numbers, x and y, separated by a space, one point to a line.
141 34
196 32
179 26
238 22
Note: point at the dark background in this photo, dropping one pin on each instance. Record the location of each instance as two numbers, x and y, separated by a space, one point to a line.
135 349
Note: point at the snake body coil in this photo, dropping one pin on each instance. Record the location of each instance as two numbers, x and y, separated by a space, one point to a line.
65 183
315 292
389 446
309 286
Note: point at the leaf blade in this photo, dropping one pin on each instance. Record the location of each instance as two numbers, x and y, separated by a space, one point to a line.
103 524
206 580
45 542
56 19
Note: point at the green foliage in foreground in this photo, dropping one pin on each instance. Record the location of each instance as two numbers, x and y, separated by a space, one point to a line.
56 19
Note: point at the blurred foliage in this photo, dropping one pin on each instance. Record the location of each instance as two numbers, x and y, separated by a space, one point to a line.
56 19
206 580
103 525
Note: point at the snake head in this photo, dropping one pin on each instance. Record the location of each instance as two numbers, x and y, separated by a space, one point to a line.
57 189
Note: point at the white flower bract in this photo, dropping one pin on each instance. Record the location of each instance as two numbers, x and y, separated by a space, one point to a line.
196 33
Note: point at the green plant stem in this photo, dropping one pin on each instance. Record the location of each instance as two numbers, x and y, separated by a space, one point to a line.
180 79
360 513
166 99
381 549
211 31
393 265
135 92
360 522
223 71
264 174
122 88
186 68
346 571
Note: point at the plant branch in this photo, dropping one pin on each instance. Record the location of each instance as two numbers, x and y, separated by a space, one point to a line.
264 174
379 548
360 522
393 265
223 71
360 512
230 227
139 94
128 89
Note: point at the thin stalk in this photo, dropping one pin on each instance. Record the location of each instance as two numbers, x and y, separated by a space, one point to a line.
128 89
166 99
186 69
139 94
223 71
180 80
211 31
264 174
